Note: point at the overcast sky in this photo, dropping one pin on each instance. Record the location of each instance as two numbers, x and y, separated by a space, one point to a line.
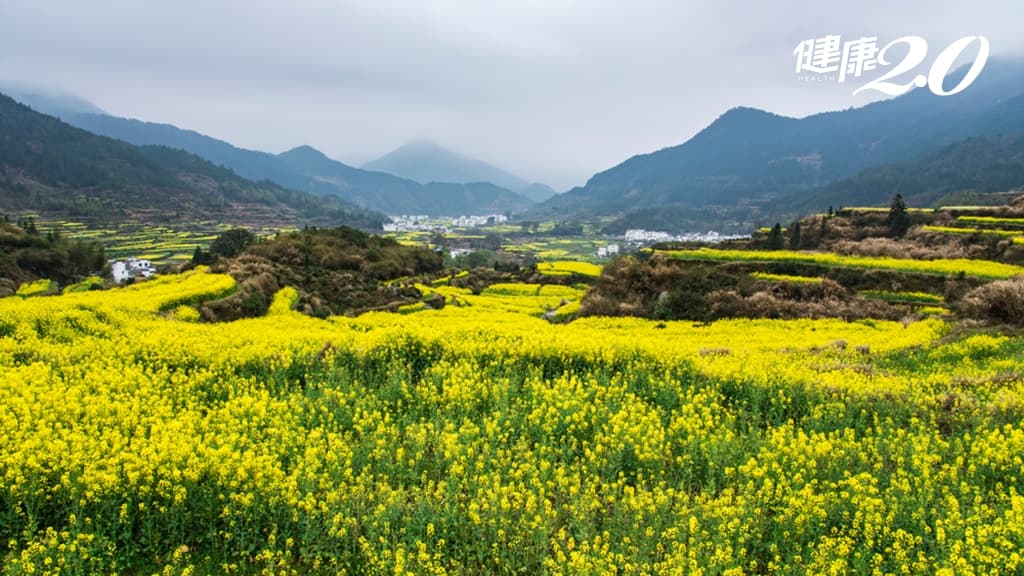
552 90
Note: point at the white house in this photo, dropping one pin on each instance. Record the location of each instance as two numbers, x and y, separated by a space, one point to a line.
122 270
607 251
641 235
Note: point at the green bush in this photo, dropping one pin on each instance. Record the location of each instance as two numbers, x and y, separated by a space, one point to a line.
41 287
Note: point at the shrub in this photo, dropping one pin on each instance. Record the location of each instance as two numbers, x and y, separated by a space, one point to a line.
232 242
41 287
90 283
1001 301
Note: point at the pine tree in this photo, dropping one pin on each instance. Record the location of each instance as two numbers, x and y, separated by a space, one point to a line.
775 237
898 220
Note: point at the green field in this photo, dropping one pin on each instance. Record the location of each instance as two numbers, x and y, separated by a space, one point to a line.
161 244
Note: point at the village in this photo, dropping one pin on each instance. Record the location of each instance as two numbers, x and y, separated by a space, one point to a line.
460 236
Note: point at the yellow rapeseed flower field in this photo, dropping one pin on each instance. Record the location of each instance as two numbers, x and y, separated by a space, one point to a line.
568 267
947 267
954 230
785 278
483 439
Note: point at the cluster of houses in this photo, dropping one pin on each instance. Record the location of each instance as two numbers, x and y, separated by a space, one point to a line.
413 223
634 239
641 237
124 270
440 225
476 221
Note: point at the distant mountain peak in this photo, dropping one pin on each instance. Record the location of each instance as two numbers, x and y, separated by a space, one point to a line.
304 152
425 144
746 115
746 111
420 151
425 161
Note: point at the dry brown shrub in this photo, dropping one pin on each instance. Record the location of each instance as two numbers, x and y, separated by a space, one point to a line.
906 249
764 304
1000 301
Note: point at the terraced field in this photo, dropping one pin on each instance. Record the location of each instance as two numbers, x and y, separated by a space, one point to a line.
569 268
162 245
944 267
998 226
480 438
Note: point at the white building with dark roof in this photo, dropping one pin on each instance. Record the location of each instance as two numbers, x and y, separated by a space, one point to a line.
123 270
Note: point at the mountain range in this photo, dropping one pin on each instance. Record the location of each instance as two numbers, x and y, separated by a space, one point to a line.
307 169
750 165
747 168
50 168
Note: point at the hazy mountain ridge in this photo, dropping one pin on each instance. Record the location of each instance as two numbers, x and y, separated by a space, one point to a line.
302 168
425 161
397 195
50 167
746 167
749 163
537 191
